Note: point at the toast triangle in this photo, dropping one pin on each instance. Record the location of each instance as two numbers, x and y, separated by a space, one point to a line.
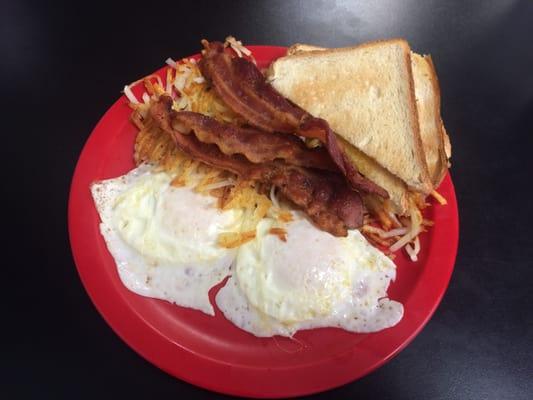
367 95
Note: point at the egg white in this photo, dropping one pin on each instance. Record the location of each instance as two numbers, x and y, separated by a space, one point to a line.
313 280
164 238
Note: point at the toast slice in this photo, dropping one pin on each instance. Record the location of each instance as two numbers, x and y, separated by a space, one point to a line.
427 93
435 140
367 95
397 189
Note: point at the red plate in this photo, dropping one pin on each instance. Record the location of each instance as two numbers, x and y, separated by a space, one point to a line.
211 352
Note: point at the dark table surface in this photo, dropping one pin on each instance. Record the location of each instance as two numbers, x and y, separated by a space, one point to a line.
64 64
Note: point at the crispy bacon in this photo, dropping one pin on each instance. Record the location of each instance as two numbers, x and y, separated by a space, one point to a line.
162 113
326 198
244 89
323 195
257 146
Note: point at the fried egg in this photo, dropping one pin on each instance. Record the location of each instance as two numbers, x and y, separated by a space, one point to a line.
310 281
164 238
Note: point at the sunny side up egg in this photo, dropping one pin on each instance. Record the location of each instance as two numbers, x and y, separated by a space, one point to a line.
313 280
164 238
164 242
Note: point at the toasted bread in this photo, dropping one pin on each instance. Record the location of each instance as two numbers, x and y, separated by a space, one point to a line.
428 105
397 189
301 47
447 145
367 95
435 140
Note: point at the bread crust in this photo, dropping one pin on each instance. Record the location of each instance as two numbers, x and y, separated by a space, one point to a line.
427 185
443 157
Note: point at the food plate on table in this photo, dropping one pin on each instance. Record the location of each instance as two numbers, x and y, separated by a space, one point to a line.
216 341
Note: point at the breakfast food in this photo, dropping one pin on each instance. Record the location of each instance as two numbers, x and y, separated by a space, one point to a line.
274 183
164 238
427 96
383 101
240 84
380 85
324 197
336 281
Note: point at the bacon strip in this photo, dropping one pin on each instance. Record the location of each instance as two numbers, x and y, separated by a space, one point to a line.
324 196
257 146
244 89
242 86
162 114
328 201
